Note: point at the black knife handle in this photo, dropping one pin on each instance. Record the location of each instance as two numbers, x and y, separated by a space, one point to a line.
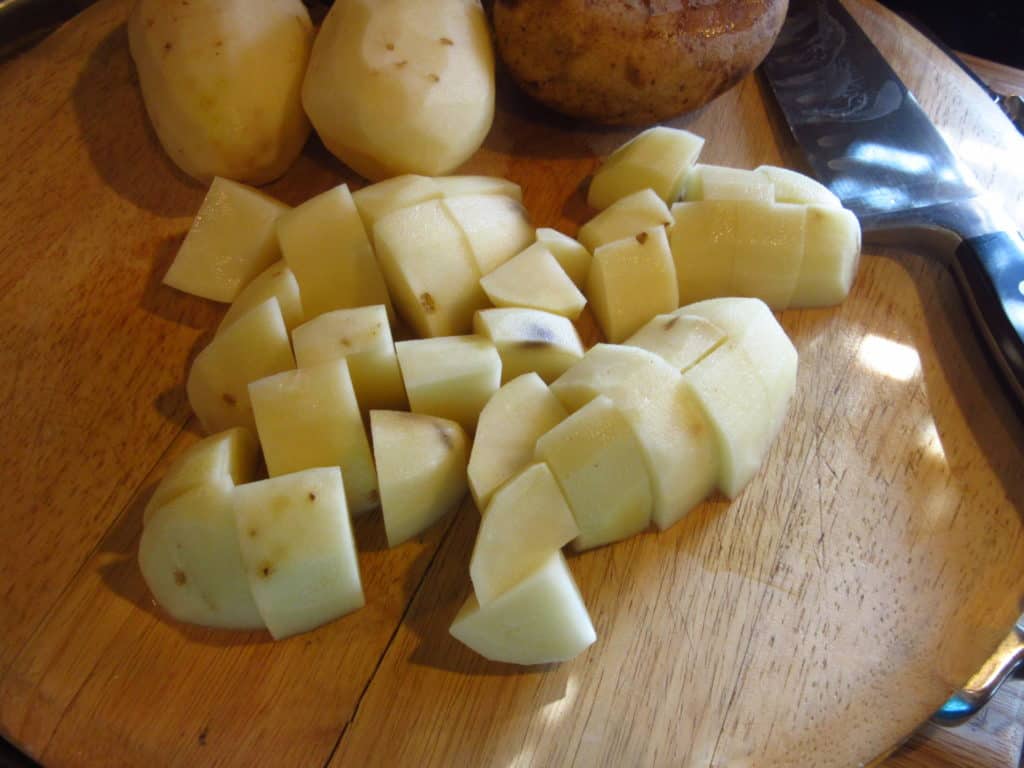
992 270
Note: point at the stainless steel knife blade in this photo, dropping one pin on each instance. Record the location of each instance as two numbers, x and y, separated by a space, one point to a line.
866 137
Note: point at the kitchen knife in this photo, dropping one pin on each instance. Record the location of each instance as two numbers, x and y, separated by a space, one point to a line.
868 140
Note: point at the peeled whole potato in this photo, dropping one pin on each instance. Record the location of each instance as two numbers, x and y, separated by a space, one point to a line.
221 82
630 62
402 86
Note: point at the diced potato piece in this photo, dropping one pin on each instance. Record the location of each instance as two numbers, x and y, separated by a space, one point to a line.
785 253
421 463
630 281
429 269
750 324
657 159
625 218
717 182
276 281
254 346
220 81
793 187
309 418
190 559
599 466
703 249
574 258
519 413
361 336
540 620
745 385
496 227
418 85
737 406
458 186
769 252
527 520
530 340
679 448
231 240
325 246
224 459
534 279
738 248
452 377
376 201
680 339
298 550
831 255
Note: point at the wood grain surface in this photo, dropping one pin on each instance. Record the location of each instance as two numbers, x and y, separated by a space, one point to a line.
818 619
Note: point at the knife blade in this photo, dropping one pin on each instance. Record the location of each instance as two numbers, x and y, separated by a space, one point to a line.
867 139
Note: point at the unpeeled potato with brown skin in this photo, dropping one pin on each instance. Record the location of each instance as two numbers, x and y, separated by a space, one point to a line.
633 62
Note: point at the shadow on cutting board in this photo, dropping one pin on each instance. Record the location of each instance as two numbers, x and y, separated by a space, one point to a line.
120 572
118 137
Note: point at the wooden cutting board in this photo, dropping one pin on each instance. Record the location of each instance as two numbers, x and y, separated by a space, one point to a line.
868 569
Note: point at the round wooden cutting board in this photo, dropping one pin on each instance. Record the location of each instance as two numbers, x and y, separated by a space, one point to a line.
868 569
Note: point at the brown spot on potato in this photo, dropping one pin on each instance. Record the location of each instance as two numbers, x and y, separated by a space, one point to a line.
641 237
179 577
345 341
253 533
230 399
434 78
447 41
428 303
400 64
634 75
445 436
390 46
167 47
670 323
312 496
266 569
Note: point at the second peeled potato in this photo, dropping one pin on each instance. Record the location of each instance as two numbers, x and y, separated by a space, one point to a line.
402 87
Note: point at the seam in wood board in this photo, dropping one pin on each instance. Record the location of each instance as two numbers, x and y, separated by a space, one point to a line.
73 578
398 625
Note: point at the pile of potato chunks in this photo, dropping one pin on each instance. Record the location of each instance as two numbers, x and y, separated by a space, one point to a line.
569 445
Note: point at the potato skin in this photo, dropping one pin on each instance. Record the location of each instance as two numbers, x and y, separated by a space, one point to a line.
633 62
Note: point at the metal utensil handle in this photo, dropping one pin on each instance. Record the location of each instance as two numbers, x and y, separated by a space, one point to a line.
966 702
991 268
